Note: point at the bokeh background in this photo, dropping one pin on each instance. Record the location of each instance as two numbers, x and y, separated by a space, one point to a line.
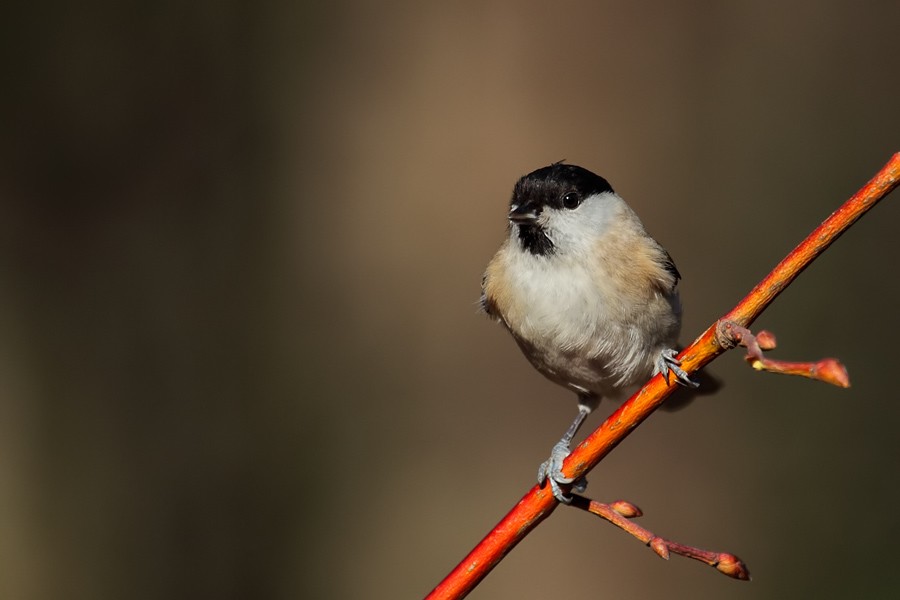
241 246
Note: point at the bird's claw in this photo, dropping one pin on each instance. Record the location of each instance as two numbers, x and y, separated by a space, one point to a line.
551 470
667 362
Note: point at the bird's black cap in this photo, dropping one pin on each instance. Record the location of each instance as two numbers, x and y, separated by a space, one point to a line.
557 186
548 185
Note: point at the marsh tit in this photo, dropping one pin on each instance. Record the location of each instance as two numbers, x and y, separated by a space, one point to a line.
588 295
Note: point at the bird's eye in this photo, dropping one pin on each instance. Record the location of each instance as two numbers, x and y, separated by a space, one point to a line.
571 200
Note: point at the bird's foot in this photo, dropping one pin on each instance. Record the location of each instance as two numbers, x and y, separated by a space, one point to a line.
667 362
551 470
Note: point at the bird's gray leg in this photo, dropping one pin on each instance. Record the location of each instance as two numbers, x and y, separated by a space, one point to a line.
551 469
666 361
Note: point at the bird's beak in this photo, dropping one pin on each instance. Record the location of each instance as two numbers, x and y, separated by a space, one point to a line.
523 214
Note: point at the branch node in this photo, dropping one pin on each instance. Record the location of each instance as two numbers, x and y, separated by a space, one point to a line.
726 337
626 509
731 565
659 546
766 340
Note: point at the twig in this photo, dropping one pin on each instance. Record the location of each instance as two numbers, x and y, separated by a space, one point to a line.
619 514
829 370
538 503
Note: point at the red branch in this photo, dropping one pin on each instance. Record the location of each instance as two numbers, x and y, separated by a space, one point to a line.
538 503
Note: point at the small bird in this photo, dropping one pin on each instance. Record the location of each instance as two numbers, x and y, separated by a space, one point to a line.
588 295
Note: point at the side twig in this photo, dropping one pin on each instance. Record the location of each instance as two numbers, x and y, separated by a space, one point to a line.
538 503
620 513
829 370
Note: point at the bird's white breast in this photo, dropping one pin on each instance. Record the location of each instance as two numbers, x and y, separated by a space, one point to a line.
578 320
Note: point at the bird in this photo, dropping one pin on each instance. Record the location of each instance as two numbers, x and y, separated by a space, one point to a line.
590 298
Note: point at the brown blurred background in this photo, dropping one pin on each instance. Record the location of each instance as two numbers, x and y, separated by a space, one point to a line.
241 246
